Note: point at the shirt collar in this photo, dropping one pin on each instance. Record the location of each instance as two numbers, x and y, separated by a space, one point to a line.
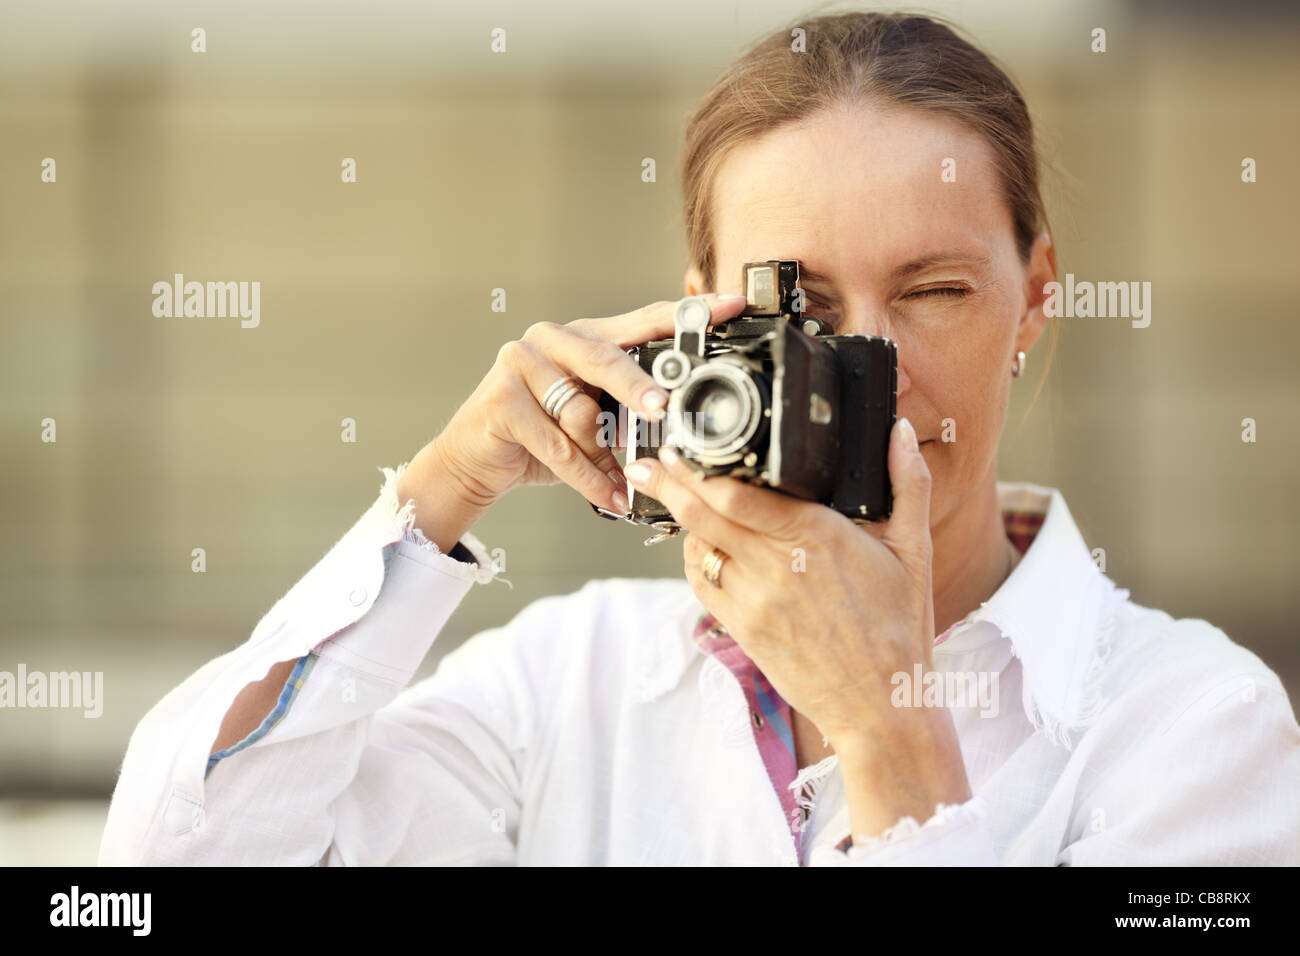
1056 609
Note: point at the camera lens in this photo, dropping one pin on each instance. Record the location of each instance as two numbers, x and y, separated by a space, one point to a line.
718 411
721 411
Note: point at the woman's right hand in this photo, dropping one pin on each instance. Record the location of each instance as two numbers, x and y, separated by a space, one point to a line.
502 438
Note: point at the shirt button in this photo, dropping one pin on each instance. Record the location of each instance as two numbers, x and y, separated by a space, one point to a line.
357 597
758 720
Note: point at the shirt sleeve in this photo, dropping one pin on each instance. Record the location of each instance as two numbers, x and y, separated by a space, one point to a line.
955 835
1194 767
1214 781
298 676
328 777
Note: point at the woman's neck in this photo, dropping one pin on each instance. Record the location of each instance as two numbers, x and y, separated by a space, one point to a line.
972 555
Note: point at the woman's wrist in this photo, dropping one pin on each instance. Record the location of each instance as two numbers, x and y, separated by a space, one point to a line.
910 773
445 506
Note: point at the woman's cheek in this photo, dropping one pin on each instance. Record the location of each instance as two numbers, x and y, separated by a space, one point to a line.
938 457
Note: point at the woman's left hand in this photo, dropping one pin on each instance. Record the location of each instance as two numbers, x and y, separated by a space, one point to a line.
829 611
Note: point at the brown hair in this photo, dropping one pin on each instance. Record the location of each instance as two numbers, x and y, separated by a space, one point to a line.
896 58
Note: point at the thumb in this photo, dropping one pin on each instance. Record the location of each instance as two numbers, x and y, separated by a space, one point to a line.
908 529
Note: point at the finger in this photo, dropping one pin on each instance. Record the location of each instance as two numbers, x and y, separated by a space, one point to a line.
546 441
594 350
727 595
599 363
758 509
580 416
908 527
680 495
654 321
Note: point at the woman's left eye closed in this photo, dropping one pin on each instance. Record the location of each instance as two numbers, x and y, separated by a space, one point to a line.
954 291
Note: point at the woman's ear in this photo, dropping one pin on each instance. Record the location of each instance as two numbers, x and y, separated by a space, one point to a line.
694 281
1040 271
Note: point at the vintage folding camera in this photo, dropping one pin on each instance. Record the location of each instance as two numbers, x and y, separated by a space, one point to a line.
770 397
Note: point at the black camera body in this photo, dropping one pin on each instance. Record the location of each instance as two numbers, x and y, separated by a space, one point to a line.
770 397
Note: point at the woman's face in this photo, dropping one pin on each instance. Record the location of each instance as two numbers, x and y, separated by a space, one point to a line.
888 247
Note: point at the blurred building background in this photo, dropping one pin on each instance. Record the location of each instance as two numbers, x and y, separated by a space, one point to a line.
522 171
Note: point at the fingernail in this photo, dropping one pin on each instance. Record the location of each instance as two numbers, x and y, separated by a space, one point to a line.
908 434
616 476
668 455
654 399
730 297
637 473
620 502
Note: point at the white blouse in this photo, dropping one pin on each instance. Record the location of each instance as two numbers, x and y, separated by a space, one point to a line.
590 729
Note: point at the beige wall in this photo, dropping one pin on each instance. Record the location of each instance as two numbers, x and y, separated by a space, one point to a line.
522 171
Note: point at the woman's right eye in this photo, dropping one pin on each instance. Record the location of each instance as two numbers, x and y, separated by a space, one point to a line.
818 308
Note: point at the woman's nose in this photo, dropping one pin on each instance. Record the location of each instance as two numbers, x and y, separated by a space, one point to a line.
861 319
904 380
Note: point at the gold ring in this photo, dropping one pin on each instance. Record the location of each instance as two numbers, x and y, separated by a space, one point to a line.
711 566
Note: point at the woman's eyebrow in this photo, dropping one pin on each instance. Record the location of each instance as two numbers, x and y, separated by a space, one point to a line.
961 257
921 263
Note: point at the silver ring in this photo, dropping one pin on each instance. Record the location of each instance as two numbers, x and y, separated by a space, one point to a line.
556 387
558 395
563 400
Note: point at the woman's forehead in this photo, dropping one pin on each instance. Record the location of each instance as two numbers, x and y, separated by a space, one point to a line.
897 184
889 143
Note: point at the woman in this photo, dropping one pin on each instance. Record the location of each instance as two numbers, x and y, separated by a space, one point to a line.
789 702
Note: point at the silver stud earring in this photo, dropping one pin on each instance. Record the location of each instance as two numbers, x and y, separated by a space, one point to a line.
1018 366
